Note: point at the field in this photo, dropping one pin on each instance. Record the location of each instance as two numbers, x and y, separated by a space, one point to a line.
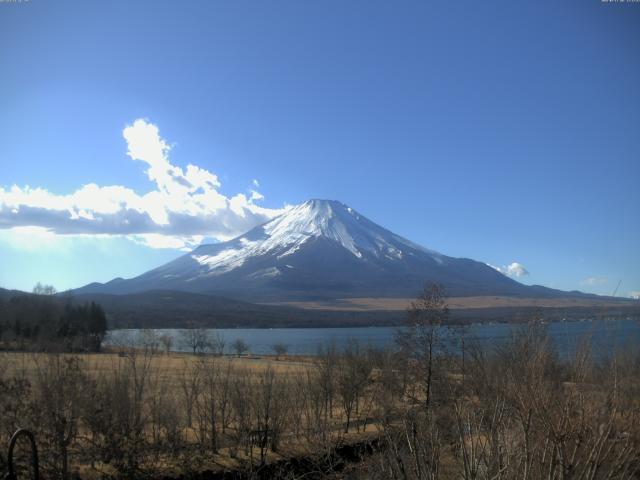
171 365
460 303
252 398
403 413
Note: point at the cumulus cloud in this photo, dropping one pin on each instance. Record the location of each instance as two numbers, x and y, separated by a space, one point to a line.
593 281
514 269
184 206
635 295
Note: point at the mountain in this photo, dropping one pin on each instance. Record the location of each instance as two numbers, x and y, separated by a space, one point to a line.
6 294
320 249
174 309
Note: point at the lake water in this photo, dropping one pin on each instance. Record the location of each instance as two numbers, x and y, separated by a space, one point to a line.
605 336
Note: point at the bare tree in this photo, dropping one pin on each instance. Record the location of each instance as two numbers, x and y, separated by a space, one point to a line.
40 289
223 391
413 448
149 340
421 335
268 405
327 365
241 394
352 378
167 342
207 402
311 404
165 422
115 415
58 390
240 346
280 349
197 340
15 404
190 382
218 344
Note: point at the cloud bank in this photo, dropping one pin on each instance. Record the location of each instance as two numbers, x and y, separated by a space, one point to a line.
514 269
184 208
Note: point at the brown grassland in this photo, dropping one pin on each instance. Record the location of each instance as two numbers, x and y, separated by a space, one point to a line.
458 303
517 410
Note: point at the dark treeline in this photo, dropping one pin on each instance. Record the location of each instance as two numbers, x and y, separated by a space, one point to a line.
44 322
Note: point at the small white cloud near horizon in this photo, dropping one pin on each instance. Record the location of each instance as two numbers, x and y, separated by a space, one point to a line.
184 207
635 295
593 281
514 269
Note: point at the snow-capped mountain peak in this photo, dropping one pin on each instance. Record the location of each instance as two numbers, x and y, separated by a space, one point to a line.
314 219
319 248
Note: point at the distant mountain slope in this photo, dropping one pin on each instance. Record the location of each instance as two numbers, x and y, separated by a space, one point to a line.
4 293
320 249
174 309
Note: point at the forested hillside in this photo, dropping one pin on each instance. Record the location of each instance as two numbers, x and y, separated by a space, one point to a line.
42 321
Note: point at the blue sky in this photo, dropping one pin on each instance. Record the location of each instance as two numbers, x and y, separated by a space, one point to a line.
501 131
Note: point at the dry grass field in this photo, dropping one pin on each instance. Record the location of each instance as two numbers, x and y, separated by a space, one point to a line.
177 406
456 303
171 365
514 412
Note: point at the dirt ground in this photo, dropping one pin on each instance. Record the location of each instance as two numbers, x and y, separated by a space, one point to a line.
399 304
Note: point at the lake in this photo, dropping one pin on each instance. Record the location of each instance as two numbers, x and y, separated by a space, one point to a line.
605 335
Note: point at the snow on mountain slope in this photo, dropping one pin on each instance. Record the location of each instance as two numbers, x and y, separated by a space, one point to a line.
318 249
286 234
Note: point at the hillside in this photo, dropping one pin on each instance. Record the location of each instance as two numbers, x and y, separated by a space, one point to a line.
322 250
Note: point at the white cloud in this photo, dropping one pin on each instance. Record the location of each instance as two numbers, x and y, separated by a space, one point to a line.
255 183
255 196
635 295
156 240
185 205
514 269
593 281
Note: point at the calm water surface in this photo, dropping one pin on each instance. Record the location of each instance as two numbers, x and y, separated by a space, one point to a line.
605 336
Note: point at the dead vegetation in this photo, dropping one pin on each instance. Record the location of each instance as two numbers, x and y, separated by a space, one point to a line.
517 411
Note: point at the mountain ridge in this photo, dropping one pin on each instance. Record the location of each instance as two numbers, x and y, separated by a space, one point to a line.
320 249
